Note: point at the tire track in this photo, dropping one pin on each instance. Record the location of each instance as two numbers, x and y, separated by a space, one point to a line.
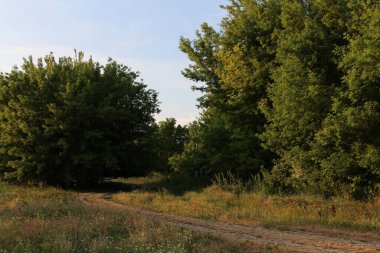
291 240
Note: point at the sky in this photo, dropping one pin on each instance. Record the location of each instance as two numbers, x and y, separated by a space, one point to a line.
142 34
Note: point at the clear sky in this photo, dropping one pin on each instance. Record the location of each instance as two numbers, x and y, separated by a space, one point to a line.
142 34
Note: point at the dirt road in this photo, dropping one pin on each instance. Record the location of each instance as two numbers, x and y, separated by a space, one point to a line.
290 240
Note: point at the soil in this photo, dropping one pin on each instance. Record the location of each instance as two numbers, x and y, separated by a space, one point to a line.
284 239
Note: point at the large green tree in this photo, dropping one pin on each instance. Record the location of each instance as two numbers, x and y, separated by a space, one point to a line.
234 66
73 122
291 86
305 80
347 147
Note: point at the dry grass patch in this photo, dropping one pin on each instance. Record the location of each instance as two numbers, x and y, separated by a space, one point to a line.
218 203
38 220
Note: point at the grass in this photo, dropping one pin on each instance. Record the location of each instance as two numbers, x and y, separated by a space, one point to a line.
51 220
216 202
41 219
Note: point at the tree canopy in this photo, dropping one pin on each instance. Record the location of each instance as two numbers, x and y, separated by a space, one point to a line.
291 88
72 122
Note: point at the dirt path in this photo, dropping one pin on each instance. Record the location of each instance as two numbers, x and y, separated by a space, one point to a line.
292 239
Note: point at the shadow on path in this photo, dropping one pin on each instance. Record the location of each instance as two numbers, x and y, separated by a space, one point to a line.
176 185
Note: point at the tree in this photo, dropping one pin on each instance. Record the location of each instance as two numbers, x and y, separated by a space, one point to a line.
234 66
290 86
202 52
192 159
169 139
347 147
246 59
306 79
73 122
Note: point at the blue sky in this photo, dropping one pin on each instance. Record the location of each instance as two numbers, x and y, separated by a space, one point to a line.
142 34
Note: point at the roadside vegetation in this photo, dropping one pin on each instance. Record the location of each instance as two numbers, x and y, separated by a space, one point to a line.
38 220
227 199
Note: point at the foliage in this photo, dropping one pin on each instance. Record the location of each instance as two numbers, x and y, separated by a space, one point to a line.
192 155
169 140
237 63
202 52
73 122
347 147
305 80
291 88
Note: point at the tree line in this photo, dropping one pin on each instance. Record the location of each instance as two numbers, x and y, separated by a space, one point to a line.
291 92
291 96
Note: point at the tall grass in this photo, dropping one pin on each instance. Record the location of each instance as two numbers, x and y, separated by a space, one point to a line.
38 220
228 199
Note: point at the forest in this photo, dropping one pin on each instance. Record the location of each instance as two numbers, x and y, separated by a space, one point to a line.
290 101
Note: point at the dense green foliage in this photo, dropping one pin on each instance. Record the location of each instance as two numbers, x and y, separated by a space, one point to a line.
73 122
169 139
291 88
347 147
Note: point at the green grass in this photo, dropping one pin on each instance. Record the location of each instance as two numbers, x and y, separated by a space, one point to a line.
51 220
233 204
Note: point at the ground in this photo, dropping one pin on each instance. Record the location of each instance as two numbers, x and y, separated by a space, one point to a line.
291 239
175 214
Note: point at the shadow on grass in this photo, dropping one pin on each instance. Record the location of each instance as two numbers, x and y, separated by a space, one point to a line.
176 185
